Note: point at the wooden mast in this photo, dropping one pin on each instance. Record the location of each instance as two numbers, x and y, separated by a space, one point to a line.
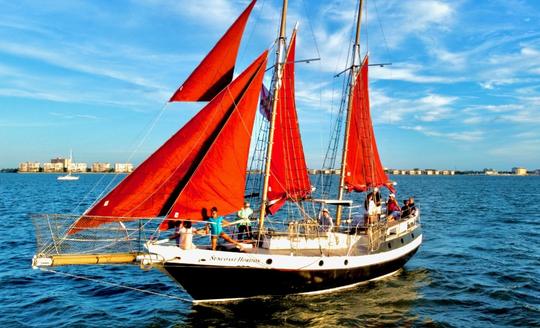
354 72
280 60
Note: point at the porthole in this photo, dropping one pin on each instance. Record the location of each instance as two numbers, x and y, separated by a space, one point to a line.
269 261
412 235
389 245
402 240
321 263
346 262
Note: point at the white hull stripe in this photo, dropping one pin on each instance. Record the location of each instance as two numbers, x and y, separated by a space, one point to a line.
202 257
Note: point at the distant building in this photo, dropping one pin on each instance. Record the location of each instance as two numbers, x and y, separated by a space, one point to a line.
490 172
64 161
519 171
77 167
537 172
29 167
395 171
101 167
53 167
123 167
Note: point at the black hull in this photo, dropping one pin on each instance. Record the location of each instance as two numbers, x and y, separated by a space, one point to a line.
217 282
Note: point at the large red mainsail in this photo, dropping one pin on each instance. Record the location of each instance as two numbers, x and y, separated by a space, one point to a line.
363 167
289 179
216 70
159 182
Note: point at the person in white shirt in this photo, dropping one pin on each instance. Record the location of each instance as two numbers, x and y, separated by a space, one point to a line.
326 222
244 224
371 209
183 233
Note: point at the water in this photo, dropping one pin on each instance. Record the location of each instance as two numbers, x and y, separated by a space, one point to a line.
479 266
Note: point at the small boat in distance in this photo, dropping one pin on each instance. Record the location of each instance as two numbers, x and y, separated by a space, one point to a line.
68 176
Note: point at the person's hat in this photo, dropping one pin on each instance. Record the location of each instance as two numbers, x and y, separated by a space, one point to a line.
325 210
392 195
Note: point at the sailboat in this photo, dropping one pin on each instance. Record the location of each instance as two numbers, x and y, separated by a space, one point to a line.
68 176
203 166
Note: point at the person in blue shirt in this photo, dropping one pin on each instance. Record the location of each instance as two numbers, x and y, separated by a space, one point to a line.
215 224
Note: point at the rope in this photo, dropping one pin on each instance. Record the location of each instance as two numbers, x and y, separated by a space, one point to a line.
116 285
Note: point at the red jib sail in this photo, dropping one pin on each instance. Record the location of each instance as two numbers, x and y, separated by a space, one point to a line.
216 70
363 168
289 179
157 184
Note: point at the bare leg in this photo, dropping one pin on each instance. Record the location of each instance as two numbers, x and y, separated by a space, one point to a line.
214 242
229 239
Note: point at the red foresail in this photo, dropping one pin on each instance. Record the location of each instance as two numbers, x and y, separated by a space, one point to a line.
363 168
289 179
219 178
157 184
216 70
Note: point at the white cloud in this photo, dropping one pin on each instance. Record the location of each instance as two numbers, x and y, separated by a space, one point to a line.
467 136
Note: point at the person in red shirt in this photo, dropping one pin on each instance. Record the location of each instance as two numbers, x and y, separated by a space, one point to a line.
392 208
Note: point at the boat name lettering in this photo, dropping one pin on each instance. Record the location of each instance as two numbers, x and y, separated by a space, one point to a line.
234 259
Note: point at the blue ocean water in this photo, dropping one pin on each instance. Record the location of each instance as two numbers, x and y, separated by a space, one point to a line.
479 266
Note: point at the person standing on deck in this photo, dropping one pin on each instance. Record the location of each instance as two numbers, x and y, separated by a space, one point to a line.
244 224
326 222
371 214
215 224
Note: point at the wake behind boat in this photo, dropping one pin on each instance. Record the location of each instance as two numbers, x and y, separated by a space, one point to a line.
202 174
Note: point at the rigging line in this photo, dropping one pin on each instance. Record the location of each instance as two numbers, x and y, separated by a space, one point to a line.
382 30
252 31
115 284
311 29
137 147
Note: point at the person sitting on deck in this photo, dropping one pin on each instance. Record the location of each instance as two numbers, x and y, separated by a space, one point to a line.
392 208
244 224
405 210
412 206
326 221
183 233
215 224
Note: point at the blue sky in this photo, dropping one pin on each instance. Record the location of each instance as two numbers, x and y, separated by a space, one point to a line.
462 92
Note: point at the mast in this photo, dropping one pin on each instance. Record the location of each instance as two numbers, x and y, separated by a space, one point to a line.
354 71
277 83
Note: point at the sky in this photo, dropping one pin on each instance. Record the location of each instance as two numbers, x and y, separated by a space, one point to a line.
462 91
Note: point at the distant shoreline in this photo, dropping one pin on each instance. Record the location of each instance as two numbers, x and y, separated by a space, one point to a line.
457 173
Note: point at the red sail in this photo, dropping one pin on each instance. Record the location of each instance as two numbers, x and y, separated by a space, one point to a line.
219 178
363 168
289 179
216 70
154 187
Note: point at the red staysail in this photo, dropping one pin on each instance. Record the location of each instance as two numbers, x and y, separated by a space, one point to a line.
167 176
364 169
216 70
289 179
219 178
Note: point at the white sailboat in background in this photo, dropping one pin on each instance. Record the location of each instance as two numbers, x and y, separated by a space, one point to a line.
68 176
